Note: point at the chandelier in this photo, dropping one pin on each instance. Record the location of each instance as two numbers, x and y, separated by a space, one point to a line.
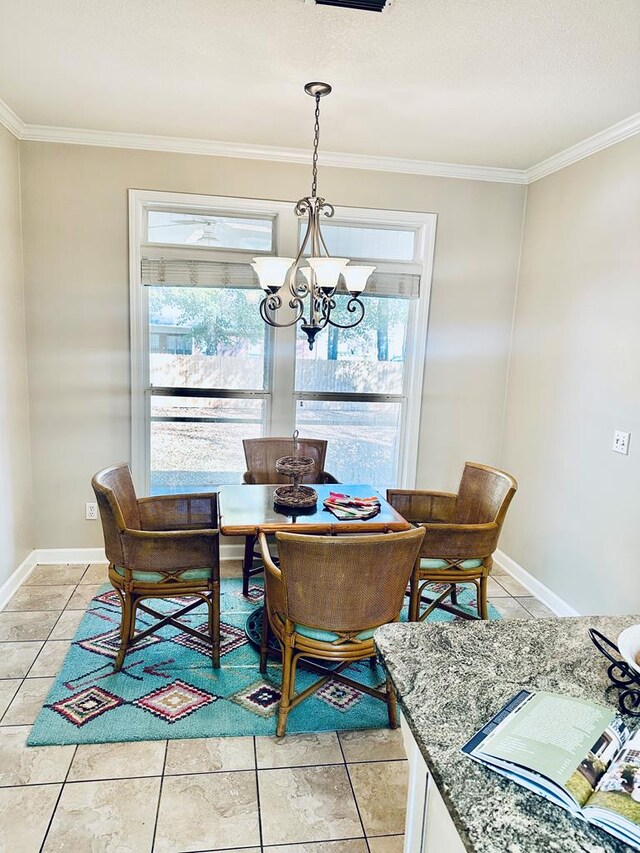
312 294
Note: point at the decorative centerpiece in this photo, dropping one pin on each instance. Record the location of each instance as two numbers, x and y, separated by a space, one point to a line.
295 496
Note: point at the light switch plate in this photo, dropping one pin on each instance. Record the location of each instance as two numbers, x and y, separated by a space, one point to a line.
621 442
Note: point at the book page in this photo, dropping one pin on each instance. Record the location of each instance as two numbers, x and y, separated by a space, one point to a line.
553 735
619 788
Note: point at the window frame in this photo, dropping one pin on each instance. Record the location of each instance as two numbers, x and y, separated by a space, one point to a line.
280 396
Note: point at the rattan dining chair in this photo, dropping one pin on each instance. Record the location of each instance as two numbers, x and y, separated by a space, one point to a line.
461 535
325 600
159 547
261 455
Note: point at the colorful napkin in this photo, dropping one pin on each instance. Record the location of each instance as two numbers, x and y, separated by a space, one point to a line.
346 507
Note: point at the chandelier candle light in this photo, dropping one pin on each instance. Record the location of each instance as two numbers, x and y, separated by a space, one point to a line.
320 280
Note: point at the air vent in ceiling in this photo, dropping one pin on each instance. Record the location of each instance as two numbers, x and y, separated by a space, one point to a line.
366 5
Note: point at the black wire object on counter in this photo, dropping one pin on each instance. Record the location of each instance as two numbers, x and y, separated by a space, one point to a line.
622 676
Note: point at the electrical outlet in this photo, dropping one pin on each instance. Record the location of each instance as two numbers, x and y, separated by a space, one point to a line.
621 442
91 511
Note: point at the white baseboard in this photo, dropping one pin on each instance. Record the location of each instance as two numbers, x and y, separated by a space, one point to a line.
14 581
54 556
49 556
535 587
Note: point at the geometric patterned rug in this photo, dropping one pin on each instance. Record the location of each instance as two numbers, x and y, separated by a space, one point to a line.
167 687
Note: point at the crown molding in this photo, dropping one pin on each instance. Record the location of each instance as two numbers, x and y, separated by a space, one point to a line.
604 139
181 145
11 121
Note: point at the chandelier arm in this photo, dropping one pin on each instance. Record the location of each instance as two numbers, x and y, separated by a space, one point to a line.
353 305
269 302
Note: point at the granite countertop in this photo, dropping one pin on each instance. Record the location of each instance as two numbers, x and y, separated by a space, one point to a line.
452 678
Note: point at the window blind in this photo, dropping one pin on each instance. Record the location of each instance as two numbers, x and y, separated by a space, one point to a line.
175 272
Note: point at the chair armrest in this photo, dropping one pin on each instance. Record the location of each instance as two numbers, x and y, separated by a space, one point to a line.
179 512
459 541
274 584
420 506
170 549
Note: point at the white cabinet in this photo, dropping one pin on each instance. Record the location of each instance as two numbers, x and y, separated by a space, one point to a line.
428 826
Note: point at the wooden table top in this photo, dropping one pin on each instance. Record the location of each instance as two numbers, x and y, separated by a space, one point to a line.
246 510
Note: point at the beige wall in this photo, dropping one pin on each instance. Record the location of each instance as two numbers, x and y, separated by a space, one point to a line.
15 466
574 379
76 277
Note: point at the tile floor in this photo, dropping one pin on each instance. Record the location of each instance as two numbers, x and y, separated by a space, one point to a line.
324 793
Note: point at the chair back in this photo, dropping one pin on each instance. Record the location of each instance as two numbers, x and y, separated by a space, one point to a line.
484 495
118 506
346 583
261 455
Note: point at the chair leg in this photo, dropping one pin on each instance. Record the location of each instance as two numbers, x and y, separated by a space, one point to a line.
126 626
392 707
264 640
214 623
373 661
414 601
454 593
247 563
286 688
483 609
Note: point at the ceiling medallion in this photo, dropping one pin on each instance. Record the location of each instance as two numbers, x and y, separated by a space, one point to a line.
320 282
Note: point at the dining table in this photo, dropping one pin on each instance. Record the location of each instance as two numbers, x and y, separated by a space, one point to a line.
248 510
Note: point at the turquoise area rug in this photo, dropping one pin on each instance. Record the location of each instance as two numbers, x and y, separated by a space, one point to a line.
167 687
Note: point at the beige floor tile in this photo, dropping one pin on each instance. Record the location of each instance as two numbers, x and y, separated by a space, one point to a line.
67 625
55 575
509 608
387 844
40 598
207 811
105 817
83 595
29 625
30 765
94 761
238 850
298 750
372 745
8 689
50 659
27 702
381 792
307 804
36 801
96 573
497 570
494 590
352 845
536 608
209 755
513 586
16 658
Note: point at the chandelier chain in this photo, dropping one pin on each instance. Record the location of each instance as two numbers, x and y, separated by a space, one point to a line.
316 142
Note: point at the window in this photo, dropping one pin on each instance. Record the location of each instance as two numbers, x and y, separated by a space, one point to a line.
207 372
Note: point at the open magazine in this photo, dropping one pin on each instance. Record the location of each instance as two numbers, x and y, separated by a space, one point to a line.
578 754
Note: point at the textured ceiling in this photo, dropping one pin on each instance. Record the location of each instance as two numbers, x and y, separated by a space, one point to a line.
488 82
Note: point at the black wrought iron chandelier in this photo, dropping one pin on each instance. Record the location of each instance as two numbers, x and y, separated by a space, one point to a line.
320 282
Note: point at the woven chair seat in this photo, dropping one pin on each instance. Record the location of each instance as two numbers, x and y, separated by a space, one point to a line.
328 636
431 563
156 577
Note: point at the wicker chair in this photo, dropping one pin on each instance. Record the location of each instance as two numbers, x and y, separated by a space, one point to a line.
159 547
326 599
261 455
462 532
